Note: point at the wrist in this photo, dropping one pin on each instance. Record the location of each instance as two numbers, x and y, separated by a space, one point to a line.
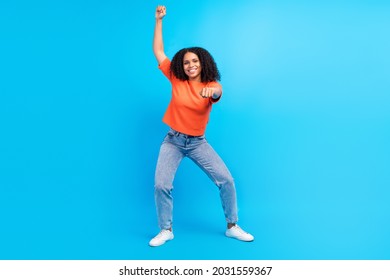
215 95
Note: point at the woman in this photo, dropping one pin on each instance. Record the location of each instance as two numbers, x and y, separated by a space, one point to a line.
193 75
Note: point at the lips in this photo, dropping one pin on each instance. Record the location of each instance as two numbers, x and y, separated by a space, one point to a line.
192 71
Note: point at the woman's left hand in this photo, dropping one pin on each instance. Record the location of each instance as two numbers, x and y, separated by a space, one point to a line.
207 92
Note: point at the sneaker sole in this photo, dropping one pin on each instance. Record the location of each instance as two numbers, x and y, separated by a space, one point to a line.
241 239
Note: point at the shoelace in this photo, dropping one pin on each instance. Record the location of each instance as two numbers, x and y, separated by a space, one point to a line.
239 229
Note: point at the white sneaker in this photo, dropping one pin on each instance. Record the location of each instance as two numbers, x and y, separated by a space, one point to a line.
164 236
238 233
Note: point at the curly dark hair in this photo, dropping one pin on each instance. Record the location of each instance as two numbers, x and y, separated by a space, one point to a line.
209 72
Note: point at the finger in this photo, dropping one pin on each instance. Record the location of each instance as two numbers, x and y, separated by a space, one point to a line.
208 92
161 9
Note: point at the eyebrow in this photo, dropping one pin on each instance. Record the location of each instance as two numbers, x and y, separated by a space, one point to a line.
190 59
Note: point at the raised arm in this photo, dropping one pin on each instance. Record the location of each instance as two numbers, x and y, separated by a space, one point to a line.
158 44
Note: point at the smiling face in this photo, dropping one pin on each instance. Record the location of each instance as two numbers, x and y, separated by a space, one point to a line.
192 66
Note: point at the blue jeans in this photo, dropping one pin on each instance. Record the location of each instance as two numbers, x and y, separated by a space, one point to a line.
173 149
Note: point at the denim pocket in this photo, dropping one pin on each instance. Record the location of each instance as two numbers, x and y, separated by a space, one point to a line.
201 138
170 136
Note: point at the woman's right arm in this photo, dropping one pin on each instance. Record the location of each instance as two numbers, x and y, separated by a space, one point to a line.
158 44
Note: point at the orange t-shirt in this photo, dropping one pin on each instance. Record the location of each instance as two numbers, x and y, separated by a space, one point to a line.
188 112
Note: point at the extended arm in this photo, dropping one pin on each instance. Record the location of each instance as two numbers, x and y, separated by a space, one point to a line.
158 44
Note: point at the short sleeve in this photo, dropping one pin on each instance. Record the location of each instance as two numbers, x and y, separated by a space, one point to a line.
165 66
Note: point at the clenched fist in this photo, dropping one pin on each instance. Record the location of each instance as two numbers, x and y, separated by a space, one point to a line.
213 92
161 11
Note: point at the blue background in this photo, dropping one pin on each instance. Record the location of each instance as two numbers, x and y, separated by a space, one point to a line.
304 126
